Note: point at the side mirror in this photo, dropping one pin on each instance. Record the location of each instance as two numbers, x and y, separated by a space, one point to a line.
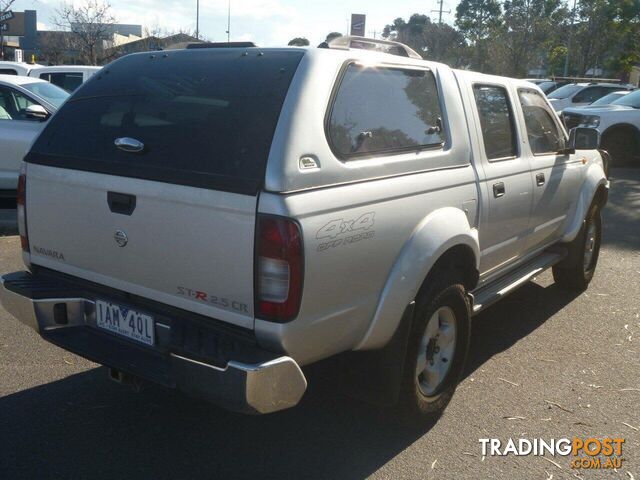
37 112
581 138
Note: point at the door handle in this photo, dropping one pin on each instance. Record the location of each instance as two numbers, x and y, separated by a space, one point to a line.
498 189
122 203
540 179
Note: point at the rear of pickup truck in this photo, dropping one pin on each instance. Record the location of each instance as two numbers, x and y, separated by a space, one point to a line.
138 222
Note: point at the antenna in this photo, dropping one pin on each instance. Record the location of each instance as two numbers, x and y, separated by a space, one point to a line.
440 11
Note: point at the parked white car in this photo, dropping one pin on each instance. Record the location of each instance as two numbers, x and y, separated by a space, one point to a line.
618 124
25 105
68 77
581 94
16 68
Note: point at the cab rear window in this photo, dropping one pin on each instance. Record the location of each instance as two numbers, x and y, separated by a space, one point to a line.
385 110
206 118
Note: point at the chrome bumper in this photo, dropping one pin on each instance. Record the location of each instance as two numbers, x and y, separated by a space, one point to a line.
266 386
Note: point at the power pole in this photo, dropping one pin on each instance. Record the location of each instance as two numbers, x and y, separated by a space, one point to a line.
440 11
566 60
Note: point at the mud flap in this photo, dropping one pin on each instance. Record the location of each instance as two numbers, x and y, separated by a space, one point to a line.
375 376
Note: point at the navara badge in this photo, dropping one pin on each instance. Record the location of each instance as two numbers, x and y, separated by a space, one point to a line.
121 238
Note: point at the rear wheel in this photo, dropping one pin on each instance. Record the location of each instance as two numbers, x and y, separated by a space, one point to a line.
623 145
577 270
437 349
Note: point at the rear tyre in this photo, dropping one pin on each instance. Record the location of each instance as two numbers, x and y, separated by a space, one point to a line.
576 271
437 349
624 147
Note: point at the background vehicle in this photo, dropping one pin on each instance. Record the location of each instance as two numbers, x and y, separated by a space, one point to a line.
618 124
67 77
580 94
25 105
608 99
15 68
548 86
292 205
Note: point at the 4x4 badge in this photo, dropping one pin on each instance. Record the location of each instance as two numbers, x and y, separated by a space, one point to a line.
121 238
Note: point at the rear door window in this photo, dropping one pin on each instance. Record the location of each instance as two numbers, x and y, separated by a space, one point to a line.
69 81
8 71
385 110
590 94
496 121
206 118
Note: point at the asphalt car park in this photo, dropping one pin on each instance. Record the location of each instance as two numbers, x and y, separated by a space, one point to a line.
544 363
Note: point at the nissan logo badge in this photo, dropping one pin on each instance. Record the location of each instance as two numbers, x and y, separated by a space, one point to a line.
121 238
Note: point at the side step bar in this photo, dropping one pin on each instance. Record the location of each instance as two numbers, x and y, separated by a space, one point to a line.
489 294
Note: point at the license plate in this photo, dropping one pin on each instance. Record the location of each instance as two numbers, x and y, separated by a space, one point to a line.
125 321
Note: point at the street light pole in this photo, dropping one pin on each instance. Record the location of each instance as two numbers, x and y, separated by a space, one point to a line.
197 19
229 22
566 60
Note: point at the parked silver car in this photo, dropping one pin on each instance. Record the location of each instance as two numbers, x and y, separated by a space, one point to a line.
213 219
25 105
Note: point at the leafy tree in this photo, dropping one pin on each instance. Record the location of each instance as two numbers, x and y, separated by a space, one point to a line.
556 60
330 37
477 20
529 30
593 32
624 53
439 42
510 37
299 42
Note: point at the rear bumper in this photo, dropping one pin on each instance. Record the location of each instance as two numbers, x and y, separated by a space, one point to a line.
191 354
9 180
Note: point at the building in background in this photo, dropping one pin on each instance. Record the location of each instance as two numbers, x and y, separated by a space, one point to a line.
57 46
20 30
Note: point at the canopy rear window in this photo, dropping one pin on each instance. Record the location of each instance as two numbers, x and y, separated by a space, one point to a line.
206 118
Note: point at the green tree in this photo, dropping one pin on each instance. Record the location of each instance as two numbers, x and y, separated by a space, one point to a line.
556 59
529 30
593 33
298 42
477 20
438 42
330 37
626 53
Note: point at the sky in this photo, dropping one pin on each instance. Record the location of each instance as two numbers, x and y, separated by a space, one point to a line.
268 23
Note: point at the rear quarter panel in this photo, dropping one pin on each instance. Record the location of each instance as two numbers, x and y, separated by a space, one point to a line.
353 237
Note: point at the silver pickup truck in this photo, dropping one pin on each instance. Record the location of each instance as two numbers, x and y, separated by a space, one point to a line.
214 219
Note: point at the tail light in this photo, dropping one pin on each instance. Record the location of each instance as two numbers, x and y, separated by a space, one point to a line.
279 268
21 204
